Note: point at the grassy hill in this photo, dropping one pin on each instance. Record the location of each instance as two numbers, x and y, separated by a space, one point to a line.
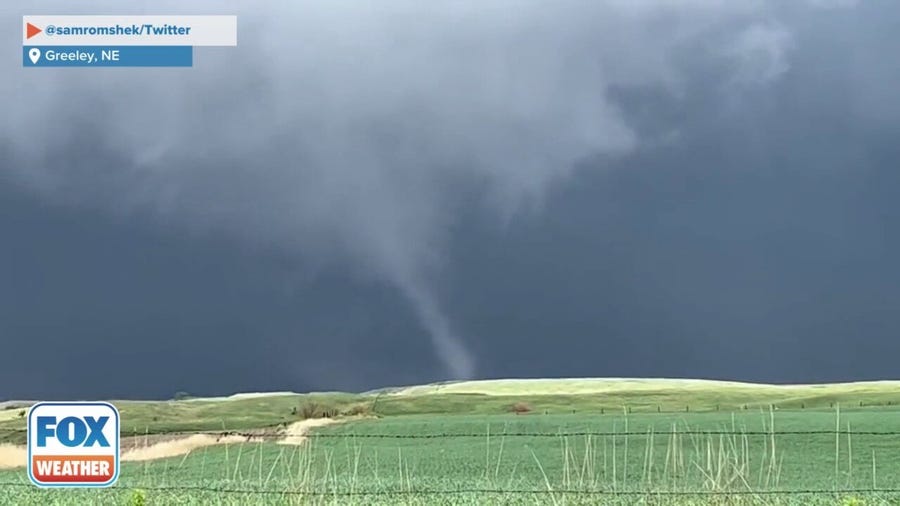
553 396
752 392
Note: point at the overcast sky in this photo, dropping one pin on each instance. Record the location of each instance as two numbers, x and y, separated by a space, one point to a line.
378 193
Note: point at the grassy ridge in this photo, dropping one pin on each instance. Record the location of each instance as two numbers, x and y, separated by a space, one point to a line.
611 385
141 417
637 395
492 397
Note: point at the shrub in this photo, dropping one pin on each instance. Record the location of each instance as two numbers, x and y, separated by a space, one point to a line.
313 409
519 408
357 409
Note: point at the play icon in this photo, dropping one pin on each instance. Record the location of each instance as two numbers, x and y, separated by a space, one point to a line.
31 30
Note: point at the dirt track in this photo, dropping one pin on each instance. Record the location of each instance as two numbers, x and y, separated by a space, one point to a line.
12 456
295 433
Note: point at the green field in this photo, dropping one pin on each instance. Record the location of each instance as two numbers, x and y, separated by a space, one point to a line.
585 442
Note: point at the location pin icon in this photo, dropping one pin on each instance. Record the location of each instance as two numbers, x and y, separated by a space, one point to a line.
35 55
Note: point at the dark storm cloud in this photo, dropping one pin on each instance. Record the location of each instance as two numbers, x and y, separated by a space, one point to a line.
634 188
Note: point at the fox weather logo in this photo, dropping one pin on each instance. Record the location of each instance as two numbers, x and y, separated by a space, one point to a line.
73 444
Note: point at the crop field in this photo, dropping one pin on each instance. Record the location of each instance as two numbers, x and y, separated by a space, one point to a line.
644 445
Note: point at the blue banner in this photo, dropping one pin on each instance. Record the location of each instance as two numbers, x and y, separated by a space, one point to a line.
107 56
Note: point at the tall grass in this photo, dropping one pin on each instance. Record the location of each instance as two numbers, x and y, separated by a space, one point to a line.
620 468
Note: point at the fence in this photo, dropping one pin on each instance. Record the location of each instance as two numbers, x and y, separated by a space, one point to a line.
443 435
488 491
